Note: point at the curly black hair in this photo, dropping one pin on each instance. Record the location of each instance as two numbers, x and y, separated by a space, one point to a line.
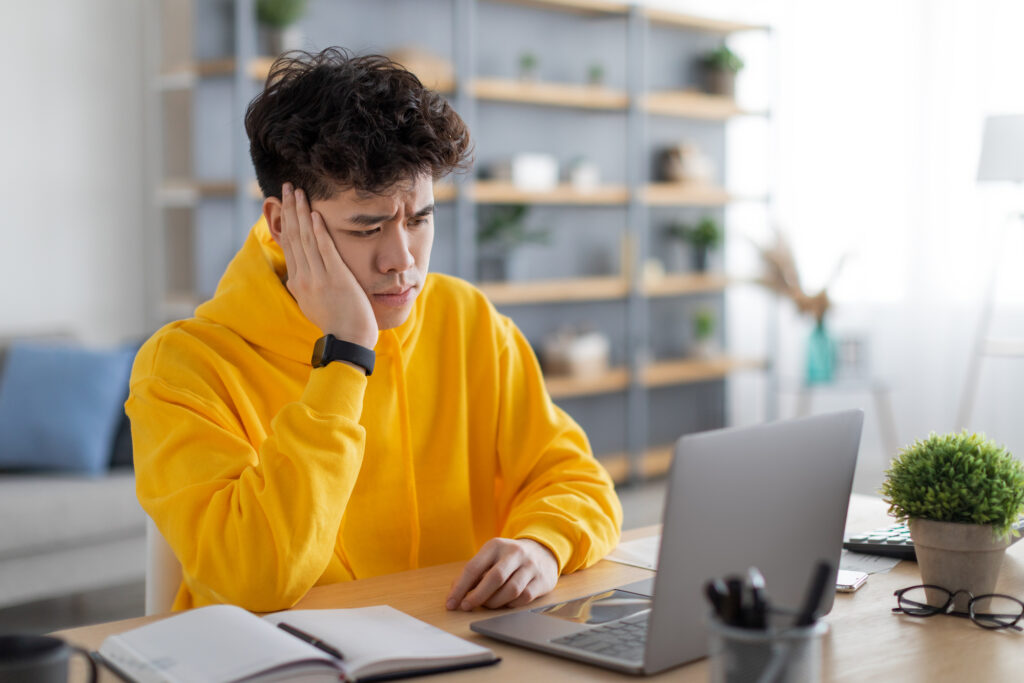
333 121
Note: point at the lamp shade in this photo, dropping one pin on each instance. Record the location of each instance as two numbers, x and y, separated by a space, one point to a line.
1002 149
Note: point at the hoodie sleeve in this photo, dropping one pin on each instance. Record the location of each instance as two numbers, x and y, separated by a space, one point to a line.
556 492
251 526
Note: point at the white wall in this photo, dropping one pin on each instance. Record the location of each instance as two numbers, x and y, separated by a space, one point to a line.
71 168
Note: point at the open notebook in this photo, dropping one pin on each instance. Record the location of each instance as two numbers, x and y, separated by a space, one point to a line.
225 643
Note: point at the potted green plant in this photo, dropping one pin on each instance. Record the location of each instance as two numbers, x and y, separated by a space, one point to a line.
959 493
528 63
502 231
720 68
704 333
701 238
276 19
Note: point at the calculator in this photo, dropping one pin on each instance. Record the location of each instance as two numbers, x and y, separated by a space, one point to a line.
894 541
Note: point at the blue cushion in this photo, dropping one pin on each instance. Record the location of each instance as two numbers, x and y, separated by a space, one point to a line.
60 407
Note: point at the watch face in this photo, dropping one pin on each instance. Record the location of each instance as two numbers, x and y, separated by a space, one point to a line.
318 352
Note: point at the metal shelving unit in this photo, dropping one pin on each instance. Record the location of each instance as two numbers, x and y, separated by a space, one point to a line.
475 95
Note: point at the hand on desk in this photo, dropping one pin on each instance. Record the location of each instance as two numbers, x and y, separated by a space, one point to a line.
506 572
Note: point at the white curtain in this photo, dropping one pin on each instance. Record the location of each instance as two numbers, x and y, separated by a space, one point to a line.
878 109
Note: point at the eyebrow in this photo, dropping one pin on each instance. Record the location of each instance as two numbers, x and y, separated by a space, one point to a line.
366 221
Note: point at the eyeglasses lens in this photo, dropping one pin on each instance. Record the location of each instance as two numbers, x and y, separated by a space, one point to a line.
996 611
920 601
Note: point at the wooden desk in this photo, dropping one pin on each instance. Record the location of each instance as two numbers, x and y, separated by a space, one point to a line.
865 643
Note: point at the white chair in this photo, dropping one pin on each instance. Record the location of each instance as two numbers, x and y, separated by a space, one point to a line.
163 572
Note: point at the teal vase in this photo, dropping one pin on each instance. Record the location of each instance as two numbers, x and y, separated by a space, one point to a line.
821 356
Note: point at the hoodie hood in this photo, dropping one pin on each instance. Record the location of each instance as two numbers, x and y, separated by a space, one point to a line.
252 301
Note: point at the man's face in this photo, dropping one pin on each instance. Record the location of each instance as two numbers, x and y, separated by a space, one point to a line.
385 241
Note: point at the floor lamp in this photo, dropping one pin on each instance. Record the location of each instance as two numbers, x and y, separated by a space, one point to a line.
1002 160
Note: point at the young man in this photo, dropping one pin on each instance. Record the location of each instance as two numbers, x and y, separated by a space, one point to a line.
419 433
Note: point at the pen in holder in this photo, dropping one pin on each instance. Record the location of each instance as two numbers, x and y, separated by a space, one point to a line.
753 642
781 653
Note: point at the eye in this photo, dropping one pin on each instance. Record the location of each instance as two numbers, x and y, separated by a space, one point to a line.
364 233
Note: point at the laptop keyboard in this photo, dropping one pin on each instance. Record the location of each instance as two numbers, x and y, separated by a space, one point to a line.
622 639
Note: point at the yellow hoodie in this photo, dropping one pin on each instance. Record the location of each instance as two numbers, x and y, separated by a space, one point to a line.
268 477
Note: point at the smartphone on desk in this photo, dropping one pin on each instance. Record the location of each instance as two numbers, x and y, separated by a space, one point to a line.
848 581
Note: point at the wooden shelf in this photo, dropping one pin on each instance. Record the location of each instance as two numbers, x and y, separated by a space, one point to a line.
600 288
617 465
677 284
616 379
551 94
183 192
435 72
258 68
431 71
686 371
655 462
578 6
494 192
697 23
548 291
691 104
684 194
444 192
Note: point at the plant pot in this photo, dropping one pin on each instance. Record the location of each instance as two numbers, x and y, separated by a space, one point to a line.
958 557
501 265
273 41
705 349
700 259
720 82
675 256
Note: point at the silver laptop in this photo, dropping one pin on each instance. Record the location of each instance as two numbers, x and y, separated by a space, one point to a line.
772 496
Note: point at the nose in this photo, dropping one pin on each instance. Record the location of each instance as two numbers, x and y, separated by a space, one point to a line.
394 254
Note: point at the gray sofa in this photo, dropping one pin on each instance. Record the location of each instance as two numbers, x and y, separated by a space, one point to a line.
63 533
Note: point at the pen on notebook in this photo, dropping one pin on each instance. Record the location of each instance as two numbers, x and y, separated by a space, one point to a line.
312 640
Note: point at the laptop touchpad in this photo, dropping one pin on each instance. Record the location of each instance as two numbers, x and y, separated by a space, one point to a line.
598 608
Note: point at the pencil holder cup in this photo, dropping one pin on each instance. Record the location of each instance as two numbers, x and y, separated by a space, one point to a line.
779 654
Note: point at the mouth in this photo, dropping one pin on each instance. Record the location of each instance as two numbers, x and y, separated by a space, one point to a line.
396 296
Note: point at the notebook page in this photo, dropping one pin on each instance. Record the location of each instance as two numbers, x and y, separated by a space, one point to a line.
216 643
367 636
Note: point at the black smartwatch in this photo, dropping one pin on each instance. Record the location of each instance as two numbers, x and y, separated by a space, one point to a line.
329 348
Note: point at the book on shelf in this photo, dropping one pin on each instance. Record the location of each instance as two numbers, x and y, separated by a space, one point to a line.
226 643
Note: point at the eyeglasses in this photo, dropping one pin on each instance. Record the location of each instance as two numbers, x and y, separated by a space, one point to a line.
991 611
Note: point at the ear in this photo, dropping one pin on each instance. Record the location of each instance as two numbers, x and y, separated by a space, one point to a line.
272 212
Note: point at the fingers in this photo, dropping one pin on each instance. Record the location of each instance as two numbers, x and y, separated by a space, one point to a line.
512 589
504 572
288 229
493 580
333 263
306 237
533 590
470 576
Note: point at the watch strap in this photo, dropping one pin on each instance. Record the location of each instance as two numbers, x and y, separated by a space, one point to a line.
329 349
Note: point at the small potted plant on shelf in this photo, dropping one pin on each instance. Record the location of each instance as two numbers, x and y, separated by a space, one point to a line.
501 233
701 238
704 333
276 19
720 68
528 63
595 74
960 494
